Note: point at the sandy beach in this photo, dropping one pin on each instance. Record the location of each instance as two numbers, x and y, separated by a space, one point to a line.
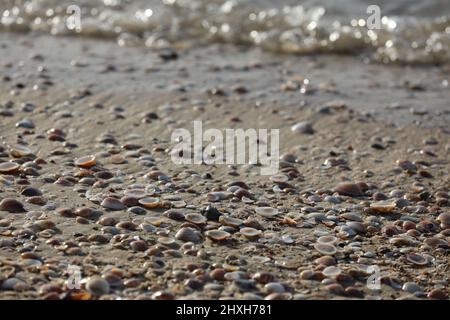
87 182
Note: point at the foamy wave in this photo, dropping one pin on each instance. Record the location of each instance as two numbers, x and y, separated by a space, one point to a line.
267 24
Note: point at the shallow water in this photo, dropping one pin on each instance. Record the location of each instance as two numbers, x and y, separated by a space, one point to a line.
412 31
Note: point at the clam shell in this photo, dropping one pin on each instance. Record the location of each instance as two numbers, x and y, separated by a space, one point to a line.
19 151
325 248
416 259
331 271
86 161
327 240
150 203
250 233
444 218
267 212
9 167
154 220
217 235
349 189
382 207
11 205
218 196
112 204
279 178
195 218
230 221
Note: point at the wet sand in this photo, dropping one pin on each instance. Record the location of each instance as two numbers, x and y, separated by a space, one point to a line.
381 130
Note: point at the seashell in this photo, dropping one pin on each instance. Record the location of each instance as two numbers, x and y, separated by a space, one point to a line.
178 204
19 151
187 234
127 225
444 218
327 239
416 259
85 212
154 220
267 212
97 286
174 214
352 216
217 235
325 248
382 207
9 167
401 241
331 271
129 201
138 245
150 203
349 189
195 218
250 233
170 242
112 204
11 205
30 192
241 193
230 221
37 200
406 165
436 243
357 226
303 127
218 196
279 178
325 260
118 159
86 161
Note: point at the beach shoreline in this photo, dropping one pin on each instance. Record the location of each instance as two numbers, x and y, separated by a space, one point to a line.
386 126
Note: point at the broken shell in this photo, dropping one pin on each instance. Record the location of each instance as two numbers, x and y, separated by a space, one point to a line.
86 162
325 248
267 212
9 167
217 235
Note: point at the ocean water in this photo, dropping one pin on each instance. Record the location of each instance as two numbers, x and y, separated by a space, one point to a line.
410 31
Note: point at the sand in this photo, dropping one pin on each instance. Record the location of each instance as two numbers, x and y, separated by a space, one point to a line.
367 115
